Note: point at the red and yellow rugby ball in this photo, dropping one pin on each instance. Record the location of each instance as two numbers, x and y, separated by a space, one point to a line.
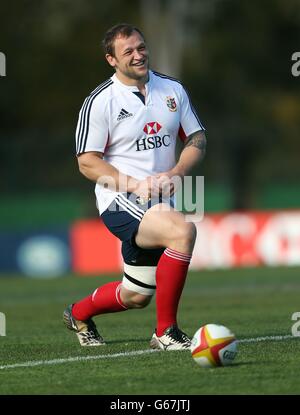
213 345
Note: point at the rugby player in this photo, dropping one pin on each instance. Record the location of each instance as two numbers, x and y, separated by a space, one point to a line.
125 143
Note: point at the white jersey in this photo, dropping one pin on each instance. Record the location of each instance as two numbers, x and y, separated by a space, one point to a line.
136 134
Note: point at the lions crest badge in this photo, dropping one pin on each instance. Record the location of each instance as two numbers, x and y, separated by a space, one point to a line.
171 103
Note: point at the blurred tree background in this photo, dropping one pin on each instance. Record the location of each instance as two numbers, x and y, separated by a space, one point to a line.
234 57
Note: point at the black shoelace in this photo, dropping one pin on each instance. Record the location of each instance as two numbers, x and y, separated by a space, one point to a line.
178 335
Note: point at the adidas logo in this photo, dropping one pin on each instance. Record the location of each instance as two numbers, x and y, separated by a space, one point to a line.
124 114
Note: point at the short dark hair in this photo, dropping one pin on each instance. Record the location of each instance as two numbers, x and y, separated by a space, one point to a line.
123 30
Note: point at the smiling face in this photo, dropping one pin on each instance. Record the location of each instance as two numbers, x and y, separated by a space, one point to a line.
130 59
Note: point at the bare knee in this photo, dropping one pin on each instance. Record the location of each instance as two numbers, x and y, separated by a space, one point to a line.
138 302
180 232
186 231
135 300
161 227
184 237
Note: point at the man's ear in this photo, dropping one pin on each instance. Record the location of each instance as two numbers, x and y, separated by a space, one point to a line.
111 60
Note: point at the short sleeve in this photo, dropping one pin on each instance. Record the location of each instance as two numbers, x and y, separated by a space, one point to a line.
92 126
189 120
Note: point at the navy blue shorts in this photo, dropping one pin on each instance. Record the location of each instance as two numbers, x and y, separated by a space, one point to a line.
122 218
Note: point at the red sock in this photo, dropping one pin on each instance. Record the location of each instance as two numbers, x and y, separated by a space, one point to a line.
170 278
105 299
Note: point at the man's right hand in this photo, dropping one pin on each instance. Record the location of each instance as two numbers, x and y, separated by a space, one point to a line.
147 188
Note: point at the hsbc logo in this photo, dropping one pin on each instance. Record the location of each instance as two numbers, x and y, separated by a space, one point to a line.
152 128
152 140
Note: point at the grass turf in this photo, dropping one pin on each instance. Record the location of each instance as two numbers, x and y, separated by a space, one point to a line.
251 302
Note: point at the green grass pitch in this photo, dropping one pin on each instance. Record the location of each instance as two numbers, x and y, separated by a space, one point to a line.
253 303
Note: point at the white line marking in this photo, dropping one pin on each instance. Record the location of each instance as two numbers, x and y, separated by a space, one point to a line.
267 338
77 359
125 354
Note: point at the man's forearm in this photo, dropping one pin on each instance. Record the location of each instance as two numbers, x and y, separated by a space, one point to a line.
192 154
99 171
